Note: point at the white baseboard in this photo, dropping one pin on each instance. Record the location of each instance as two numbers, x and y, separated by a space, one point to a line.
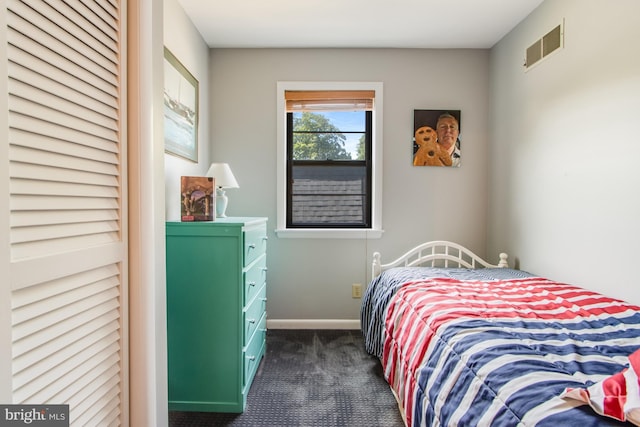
313 324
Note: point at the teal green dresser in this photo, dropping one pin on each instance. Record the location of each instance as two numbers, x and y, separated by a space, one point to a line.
216 311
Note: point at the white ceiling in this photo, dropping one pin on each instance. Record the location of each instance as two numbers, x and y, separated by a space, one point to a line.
356 23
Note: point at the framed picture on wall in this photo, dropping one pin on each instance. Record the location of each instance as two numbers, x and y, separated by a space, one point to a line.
436 138
180 109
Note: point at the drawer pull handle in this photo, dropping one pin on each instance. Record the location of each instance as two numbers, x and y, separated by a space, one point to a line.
252 246
252 320
251 358
264 268
252 283
263 299
265 238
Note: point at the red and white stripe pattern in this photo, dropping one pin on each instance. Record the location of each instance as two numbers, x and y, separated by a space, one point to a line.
617 396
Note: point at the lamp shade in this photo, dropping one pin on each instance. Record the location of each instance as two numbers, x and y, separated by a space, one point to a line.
223 175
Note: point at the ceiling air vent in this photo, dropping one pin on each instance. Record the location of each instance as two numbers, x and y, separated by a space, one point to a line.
543 47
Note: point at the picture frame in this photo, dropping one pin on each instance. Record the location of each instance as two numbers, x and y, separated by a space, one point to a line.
197 198
181 113
436 138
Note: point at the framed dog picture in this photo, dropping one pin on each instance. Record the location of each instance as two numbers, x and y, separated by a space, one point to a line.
436 138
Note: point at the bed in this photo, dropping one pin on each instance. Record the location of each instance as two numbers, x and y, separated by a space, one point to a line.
464 342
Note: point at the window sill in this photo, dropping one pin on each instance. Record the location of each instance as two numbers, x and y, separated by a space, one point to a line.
328 233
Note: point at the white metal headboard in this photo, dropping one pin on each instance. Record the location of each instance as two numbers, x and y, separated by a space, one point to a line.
439 253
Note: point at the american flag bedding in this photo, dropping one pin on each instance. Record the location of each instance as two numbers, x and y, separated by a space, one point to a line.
501 352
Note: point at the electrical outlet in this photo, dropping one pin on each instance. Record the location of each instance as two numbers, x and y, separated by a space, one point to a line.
356 290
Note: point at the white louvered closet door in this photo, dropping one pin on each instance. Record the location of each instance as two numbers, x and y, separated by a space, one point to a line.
67 197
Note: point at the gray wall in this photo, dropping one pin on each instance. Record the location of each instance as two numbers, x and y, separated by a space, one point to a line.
564 175
549 156
311 278
187 45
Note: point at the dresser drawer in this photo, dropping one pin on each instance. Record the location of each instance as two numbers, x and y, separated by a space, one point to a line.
255 244
253 313
254 350
254 278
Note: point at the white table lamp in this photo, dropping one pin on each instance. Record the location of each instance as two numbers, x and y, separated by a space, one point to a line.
224 178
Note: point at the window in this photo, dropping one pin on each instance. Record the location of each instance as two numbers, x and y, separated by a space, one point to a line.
329 159
328 165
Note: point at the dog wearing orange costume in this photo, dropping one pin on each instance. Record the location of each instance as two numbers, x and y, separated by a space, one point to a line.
429 153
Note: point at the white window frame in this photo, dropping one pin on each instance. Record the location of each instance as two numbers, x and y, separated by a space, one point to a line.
375 231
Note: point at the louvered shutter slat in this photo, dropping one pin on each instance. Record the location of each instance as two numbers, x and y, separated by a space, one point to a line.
62 346
43 307
42 30
52 288
105 12
101 417
58 116
98 408
44 54
47 173
62 349
22 138
45 203
56 138
87 112
61 161
50 232
27 81
27 187
78 19
69 244
82 371
30 218
62 317
22 60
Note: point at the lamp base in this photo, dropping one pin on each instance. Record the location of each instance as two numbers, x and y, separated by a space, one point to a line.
221 203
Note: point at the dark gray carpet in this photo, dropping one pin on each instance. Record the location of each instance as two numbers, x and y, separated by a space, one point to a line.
311 378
